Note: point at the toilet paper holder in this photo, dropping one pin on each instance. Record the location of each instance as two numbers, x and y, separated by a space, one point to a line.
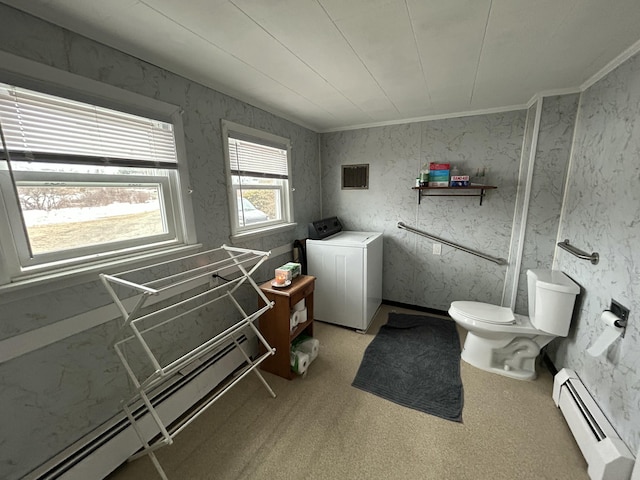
622 313
622 323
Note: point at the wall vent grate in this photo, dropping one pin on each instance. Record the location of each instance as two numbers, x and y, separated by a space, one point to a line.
355 177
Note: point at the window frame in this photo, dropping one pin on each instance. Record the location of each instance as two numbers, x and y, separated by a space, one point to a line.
260 137
31 75
173 236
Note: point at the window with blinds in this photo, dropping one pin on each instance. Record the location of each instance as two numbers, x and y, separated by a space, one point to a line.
81 182
258 174
41 127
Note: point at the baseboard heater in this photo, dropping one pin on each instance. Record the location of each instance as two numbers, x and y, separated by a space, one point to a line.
102 451
607 456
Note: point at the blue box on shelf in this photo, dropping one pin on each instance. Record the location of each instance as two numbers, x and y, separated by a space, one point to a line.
460 181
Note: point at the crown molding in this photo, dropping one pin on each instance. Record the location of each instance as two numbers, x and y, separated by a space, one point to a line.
427 118
612 65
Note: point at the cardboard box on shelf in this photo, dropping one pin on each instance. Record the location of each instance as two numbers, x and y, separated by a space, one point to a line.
439 178
460 183
460 180
439 166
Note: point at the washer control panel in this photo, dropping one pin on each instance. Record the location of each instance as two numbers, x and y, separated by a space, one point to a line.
324 228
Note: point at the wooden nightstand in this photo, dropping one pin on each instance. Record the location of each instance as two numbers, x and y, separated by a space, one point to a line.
274 323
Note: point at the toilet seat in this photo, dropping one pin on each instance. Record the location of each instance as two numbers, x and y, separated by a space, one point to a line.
484 312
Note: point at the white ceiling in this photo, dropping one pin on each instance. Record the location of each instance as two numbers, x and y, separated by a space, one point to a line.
334 64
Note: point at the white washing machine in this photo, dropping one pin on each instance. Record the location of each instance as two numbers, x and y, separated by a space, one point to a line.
348 270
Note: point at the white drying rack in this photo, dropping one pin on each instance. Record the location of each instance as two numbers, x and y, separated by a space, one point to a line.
183 292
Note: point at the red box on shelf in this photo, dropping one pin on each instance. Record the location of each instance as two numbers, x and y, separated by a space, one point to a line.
439 166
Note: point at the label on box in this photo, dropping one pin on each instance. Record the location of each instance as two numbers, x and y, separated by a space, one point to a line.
460 178
438 184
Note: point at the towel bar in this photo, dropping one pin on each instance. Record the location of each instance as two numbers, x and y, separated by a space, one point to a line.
594 258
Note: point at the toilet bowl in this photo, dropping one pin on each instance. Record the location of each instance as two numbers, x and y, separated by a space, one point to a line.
506 343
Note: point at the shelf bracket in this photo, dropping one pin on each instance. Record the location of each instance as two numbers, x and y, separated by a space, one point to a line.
482 194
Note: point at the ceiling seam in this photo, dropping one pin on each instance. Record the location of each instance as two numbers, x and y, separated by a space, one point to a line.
300 59
233 56
484 36
415 40
358 56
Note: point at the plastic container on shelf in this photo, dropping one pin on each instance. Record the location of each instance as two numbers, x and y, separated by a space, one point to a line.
424 175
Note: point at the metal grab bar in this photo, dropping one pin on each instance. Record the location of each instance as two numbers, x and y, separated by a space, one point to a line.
499 261
594 258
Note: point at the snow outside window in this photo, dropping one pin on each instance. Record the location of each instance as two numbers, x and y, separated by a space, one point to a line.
81 183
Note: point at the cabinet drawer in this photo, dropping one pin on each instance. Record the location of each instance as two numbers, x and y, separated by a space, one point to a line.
296 297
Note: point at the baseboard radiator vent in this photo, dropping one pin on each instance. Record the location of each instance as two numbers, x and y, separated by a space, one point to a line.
606 454
101 452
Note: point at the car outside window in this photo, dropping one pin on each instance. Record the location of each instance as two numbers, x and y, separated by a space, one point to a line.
258 166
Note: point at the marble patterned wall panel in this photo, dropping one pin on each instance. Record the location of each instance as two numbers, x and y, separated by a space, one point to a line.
56 393
491 143
412 274
455 275
89 386
553 149
53 396
602 213
23 315
41 45
393 155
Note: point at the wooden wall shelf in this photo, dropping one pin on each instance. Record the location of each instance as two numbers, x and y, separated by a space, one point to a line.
454 191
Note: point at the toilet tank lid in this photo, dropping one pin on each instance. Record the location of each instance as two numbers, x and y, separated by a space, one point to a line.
554 280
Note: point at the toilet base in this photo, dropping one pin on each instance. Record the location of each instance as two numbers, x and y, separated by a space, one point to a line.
510 357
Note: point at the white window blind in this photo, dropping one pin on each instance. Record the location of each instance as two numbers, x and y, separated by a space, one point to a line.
254 160
42 127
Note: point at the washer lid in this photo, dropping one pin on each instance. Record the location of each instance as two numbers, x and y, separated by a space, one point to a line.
484 312
351 239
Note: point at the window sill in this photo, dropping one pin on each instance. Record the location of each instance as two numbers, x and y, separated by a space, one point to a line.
56 280
244 236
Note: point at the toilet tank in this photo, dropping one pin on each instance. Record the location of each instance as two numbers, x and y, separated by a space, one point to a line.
552 296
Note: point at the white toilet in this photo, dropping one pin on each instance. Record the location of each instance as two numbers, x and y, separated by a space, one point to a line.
500 341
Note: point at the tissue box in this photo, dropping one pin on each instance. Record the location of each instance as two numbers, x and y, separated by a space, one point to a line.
289 270
439 176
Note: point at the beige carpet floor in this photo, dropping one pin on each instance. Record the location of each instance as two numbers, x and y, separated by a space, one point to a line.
320 427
